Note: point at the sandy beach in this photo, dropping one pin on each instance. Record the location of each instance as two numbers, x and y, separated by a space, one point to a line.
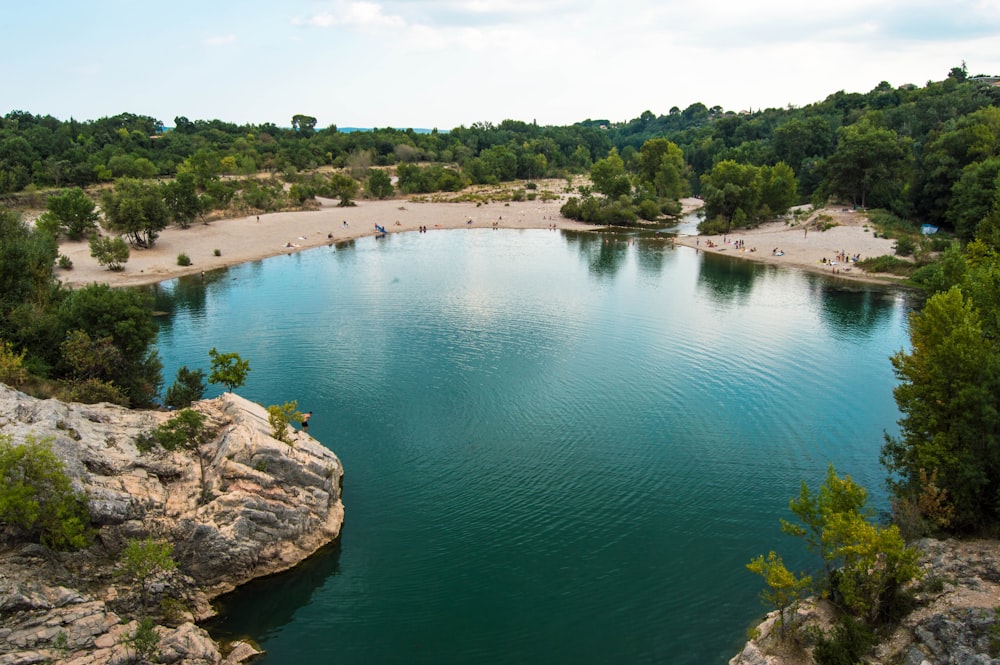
803 245
250 238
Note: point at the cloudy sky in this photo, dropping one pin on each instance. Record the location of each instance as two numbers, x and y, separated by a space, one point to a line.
444 63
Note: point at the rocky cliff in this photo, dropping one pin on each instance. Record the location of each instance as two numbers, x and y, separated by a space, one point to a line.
262 507
955 618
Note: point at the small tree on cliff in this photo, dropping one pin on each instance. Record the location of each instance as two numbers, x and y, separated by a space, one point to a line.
280 416
186 431
141 562
784 589
228 369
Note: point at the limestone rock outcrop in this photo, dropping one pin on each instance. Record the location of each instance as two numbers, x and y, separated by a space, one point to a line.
955 620
261 507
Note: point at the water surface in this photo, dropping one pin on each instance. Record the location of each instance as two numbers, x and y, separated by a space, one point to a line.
559 448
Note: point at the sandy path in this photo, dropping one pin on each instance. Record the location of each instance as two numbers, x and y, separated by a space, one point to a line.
245 239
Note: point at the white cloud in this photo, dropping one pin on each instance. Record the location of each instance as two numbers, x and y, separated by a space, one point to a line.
358 14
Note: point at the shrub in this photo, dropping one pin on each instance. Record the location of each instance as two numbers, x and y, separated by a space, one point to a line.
217 252
112 253
65 262
12 371
280 416
183 259
37 496
189 386
887 264
850 643
905 246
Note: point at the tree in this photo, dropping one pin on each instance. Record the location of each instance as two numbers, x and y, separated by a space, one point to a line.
280 416
181 197
26 260
303 124
188 387
186 431
731 189
608 176
135 209
71 211
141 562
661 164
112 253
947 395
37 497
869 165
835 496
228 369
345 188
784 590
126 317
379 184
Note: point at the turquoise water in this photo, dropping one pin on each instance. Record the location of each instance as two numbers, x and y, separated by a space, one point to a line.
558 449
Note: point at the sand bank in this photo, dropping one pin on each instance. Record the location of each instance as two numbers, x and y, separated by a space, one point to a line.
252 238
803 245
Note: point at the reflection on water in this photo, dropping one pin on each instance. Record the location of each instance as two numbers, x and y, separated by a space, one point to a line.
558 447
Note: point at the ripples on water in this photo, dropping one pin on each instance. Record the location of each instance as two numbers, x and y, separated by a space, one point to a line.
556 449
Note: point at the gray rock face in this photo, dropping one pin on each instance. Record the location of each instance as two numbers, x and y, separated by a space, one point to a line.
262 507
956 620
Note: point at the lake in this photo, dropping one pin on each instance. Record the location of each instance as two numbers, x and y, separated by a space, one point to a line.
558 447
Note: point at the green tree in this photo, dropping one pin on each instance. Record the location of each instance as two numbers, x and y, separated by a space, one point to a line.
188 386
181 197
608 176
135 209
661 164
280 416
379 184
228 369
784 589
947 395
345 188
834 497
37 499
26 260
731 192
141 562
303 124
126 317
187 431
112 253
72 212
869 165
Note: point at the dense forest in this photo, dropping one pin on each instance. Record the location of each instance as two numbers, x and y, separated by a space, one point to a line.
927 154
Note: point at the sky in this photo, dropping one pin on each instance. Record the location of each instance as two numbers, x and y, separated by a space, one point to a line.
445 63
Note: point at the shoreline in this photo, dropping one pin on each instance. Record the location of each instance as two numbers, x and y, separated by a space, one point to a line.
253 238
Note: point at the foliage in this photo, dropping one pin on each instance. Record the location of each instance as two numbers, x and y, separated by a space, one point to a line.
71 211
144 642
181 198
188 386
185 431
852 640
784 590
950 424
887 264
141 562
65 262
743 194
868 164
135 209
12 371
37 498
26 259
379 184
183 259
112 253
228 369
343 187
866 564
280 416
121 318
